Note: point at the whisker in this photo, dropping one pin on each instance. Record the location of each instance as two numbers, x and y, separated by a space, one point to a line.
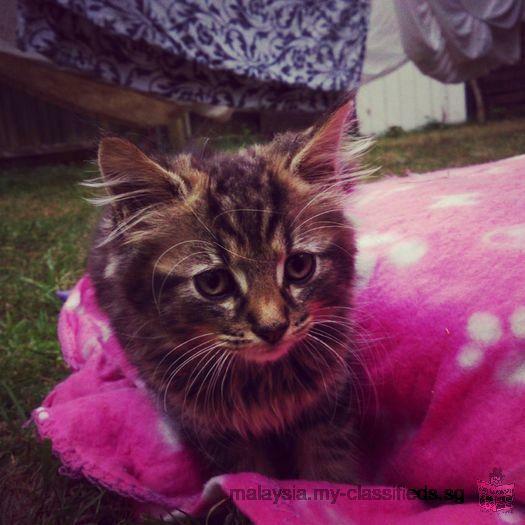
338 209
195 351
214 379
194 213
356 384
319 354
165 252
167 276
311 201
225 375
178 346
201 353
361 363
335 227
201 369
130 222
330 349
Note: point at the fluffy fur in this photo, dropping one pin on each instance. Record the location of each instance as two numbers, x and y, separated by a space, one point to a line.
260 377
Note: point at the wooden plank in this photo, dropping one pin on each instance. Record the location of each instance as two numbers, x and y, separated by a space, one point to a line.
506 99
44 149
82 93
504 83
48 155
504 88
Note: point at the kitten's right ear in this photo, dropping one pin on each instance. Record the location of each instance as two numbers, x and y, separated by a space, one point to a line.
132 179
330 157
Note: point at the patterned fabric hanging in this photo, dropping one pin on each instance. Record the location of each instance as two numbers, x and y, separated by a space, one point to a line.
246 54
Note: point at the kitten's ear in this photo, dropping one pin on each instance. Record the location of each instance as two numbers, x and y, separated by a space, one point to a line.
326 157
132 179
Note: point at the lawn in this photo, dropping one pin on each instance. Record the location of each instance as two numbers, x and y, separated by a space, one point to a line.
44 234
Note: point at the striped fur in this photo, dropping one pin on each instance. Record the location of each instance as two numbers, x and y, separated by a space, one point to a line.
245 402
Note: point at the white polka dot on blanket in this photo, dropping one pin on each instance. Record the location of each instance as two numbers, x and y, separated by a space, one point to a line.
139 383
453 200
89 347
372 240
406 253
365 264
73 301
469 355
511 517
168 435
517 376
334 517
105 330
506 237
484 327
42 414
517 322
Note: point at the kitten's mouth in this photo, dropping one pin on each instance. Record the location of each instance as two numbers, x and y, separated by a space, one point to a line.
264 353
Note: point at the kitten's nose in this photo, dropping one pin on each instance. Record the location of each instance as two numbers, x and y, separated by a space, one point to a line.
271 333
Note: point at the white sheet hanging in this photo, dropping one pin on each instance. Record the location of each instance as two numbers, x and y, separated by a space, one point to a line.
384 50
449 40
456 40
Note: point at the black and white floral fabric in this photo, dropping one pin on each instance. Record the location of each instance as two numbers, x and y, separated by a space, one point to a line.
263 54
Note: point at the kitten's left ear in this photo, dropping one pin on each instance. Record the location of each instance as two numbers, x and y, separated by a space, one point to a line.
132 179
327 156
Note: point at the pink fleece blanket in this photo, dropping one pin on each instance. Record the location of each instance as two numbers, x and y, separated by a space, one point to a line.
441 300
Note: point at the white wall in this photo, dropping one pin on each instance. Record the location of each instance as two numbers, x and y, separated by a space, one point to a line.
408 99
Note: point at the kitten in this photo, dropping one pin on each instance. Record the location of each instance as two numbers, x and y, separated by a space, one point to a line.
228 280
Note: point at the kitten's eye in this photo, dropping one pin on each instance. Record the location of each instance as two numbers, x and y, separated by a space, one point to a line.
214 283
299 267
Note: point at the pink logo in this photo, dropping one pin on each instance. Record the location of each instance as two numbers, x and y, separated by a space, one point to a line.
494 495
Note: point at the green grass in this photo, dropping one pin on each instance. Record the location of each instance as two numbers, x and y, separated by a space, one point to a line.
44 233
448 146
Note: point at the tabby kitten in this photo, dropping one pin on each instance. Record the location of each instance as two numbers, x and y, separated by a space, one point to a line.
228 279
